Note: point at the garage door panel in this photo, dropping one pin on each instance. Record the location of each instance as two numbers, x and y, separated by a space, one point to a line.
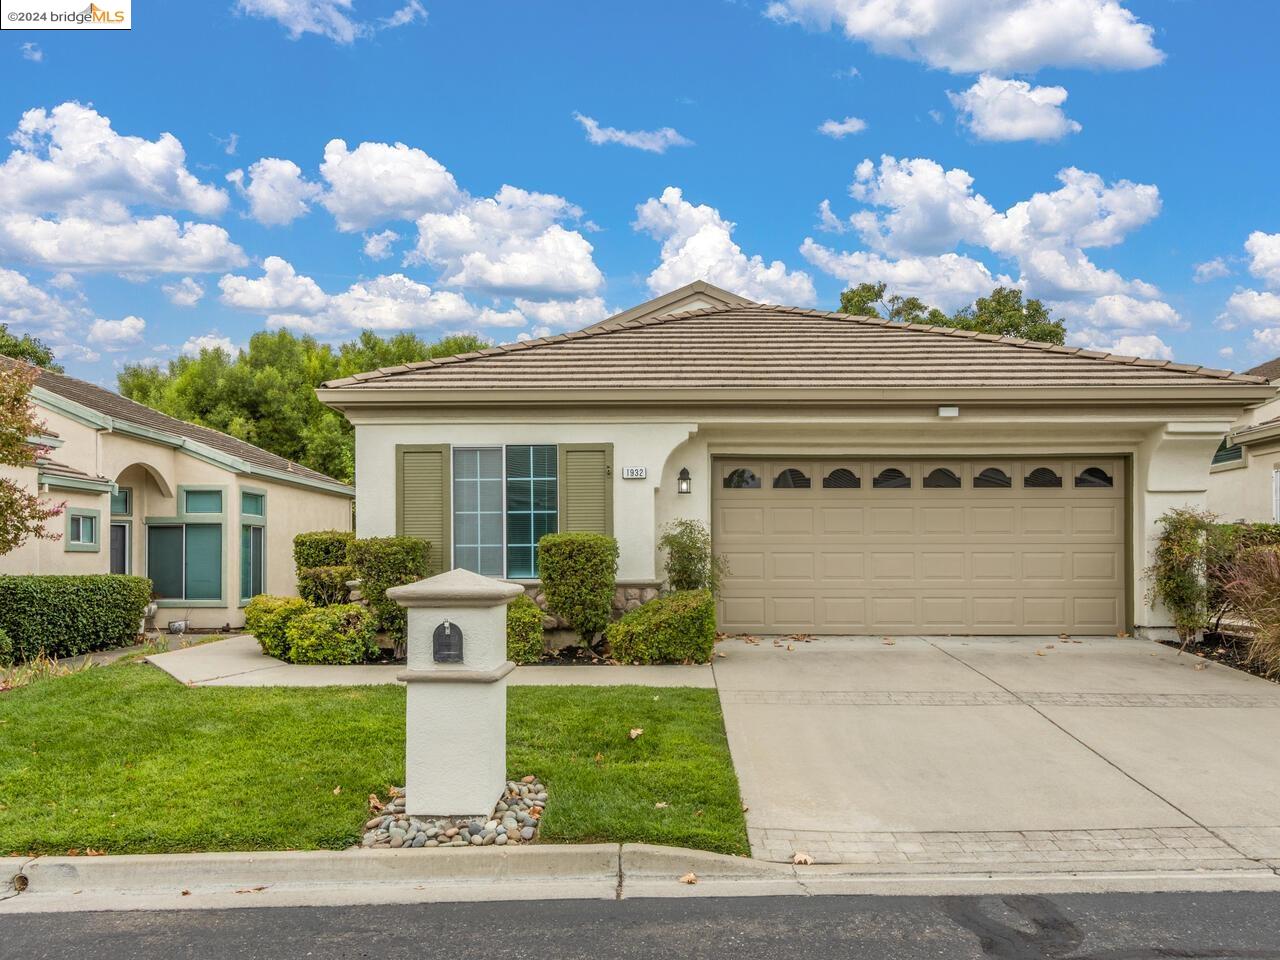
1025 558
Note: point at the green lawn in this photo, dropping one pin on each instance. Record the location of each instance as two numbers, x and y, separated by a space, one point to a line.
123 759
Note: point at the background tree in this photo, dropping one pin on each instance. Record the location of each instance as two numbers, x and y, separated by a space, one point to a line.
26 347
1002 313
23 514
265 394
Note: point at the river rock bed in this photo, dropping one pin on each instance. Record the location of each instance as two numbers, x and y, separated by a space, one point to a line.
515 819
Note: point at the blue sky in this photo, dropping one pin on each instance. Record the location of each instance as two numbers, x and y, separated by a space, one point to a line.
1115 159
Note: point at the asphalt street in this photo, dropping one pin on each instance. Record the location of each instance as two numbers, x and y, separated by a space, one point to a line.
1069 927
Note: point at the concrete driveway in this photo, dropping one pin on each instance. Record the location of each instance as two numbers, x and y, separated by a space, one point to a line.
1017 753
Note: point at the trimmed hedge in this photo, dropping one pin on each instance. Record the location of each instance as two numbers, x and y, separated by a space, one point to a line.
325 586
64 616
524 631
6 649
267 618
343 633
382 562
677 628
579 572
321 548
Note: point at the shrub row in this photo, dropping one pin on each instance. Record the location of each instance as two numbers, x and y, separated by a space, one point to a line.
321 548
267 618
579 572
677 628
64 616
525 642
383 562
324 586
342 633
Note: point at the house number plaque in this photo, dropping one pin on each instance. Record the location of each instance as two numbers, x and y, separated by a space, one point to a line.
634 473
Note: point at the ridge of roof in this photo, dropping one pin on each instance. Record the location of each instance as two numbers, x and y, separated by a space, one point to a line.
605 329
1268 370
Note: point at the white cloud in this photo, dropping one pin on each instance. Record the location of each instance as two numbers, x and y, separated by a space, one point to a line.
1147 346
411 12
1226 353
653 141
1006 110
69 160
328 18
1124 312
207 341
377 246
1250 306
392 302
116 335
277 192
24 306
563 314
184 293
230 143
1214 269
279 289
512 244
839 129
948 281
828 222
154 245
377 182
31 51
697 244
1005 36
1264 256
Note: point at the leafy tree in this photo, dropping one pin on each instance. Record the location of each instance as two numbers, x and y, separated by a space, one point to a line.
23 514
265 395
1002 313
26 348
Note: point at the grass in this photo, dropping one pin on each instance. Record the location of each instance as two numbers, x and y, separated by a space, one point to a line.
122 759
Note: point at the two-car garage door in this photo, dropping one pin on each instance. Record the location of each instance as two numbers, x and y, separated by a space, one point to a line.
858 546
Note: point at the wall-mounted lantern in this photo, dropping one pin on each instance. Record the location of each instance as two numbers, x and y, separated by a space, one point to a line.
684 483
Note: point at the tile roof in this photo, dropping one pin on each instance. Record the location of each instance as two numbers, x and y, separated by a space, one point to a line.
57 469
756 345
1268 371
121 408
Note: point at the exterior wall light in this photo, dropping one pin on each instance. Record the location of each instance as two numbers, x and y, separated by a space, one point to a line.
948 411
684 483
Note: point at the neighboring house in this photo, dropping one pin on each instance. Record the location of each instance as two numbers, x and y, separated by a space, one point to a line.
1244 481
860 477
209 518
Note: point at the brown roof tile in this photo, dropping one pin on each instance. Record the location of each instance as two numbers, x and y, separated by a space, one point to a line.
756 345
1268 371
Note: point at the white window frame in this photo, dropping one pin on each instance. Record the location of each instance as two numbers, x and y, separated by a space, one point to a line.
453 510
1275 495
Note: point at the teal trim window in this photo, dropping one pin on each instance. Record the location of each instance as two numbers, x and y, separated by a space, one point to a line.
184 560
202 501
532 505
253 504
252 555
1228 453
477 510
84 530
122 502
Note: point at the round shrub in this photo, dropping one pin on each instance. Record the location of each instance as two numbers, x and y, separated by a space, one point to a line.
324 586
343 633
267 618
579 572
321 548
678 628
66 615
382 562
524 631
6 647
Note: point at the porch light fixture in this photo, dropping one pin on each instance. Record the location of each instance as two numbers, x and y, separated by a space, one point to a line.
948 411
684 483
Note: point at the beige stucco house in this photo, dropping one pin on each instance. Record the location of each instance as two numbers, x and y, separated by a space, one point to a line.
1244 482
859 476
209 518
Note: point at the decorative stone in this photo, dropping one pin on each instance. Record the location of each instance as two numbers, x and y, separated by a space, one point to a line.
514 820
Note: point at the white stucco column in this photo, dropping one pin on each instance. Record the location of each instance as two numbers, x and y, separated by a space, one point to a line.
456 711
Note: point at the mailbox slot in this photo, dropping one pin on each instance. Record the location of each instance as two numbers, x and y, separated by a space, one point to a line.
446 643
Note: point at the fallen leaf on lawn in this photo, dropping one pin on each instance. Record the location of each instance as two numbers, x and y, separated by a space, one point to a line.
337 790
802 860
661 805
697 813
73 852
375 804
690 878
635 732
599 758
90 852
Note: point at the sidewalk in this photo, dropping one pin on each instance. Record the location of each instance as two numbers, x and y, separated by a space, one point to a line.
240 662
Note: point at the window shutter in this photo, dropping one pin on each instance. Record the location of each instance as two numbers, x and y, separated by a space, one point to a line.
422 499
586 488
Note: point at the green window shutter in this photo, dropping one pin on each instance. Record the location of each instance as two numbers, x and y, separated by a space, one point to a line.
164 561
586 488
422 499
204 561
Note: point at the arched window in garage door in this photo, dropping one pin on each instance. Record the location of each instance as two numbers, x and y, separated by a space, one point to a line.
791 479
841 478
942 478
741 479
891 478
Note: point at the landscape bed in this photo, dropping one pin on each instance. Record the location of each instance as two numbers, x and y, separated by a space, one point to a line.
120 759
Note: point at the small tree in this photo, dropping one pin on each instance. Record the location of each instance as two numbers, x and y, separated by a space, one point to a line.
1178 567
23 514
691 565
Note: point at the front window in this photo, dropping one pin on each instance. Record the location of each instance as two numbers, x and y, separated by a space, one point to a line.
251 572
504 501
184 560
532 495
202 501
84 529
477 511
122 502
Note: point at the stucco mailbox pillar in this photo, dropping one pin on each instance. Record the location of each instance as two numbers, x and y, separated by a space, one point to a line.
456 714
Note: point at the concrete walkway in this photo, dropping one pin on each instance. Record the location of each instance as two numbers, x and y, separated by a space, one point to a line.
240 662
1025 753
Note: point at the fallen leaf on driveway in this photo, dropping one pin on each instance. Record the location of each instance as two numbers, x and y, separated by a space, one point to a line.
721 653
1041 653
635 732
186 893
802 860
252 890
888 641
791 646
1202 666
690 878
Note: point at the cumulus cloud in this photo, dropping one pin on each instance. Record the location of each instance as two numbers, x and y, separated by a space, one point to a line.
152 245
1250 306
1006 110
1001 36
697 244
1148 346
652 141
117 335
510 244
207 341
333 19
184 293
839 129
1214 269
1264 256
1119 311
377 182
25 306
948 281
31 51
276 190
280 288
563 314
391 302
377 246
